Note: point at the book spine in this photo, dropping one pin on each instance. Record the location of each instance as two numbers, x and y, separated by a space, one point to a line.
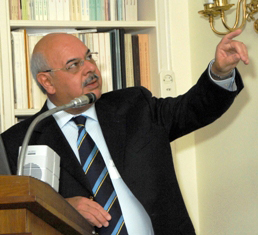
59 10
18 7
87 10
27 59
129 61
95 48
144 60
122 56
36 9
93 10
52 10
40 5
136 60
107 11
24 10
11 10
98 9
128 4
113 10
102 10
118 60
45 9
108 62
78 10
16 69
134 10
102 62
90 43
14 9
83 9
66 9
72 10
120 11
113 56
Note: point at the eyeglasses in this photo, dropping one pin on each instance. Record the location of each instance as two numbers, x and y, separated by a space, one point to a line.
74 65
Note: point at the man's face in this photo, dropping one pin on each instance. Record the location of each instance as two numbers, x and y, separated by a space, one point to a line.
69 84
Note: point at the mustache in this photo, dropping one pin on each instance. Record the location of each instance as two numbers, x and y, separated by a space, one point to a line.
89 79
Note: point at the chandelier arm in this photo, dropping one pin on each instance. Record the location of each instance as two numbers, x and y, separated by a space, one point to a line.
238 13
237 17
244 16
225 24
211 19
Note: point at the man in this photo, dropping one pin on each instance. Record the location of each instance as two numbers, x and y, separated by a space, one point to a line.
132 129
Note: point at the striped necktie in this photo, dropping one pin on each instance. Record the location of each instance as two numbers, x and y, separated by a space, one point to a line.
99 179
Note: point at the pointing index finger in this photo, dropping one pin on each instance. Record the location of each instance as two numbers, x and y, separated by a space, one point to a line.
232 35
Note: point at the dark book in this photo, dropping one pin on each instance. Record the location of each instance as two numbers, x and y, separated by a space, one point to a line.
121 33
114 58
136 60
118 58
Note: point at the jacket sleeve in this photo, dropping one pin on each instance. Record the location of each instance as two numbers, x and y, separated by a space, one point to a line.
201 105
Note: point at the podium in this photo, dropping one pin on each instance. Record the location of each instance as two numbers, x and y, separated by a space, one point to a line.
31 207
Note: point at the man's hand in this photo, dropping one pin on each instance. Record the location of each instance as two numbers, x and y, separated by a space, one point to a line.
228 53
91 211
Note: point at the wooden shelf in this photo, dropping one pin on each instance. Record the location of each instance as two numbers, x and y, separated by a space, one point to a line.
82 24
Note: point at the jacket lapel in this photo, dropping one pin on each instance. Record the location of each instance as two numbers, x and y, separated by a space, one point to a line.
113 125
49 133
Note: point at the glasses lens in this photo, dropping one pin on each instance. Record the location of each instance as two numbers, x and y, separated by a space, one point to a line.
92 57
74 66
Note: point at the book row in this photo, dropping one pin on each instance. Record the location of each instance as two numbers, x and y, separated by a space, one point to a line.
123 60
78 10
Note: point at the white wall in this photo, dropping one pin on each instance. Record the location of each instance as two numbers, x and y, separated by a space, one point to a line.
227 150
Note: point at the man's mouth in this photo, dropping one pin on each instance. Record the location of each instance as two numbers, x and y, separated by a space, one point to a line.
91 79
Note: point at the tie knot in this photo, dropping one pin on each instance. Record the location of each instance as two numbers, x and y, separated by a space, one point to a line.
79 120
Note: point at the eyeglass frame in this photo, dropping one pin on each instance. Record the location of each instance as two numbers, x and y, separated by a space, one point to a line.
80 62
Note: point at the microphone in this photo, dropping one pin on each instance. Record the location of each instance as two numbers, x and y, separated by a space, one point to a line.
83 100
75 103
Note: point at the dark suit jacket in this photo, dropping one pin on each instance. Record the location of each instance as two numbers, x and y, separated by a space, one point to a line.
138 129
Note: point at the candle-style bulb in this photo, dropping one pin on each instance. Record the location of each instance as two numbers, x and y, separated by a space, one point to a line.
209 2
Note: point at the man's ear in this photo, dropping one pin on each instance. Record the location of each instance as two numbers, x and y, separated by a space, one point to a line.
46 81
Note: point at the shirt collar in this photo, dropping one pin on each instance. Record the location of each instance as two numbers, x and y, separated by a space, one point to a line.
62 117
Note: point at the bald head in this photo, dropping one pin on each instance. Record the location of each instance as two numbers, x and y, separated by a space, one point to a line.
54 43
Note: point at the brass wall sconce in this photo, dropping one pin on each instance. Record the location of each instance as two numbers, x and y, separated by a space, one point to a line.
213 8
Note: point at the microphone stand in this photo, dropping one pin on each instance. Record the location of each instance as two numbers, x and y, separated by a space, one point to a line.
76 103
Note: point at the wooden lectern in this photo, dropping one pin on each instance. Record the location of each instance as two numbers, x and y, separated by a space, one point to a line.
30 206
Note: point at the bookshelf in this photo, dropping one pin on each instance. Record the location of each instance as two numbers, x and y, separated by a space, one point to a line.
152 19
